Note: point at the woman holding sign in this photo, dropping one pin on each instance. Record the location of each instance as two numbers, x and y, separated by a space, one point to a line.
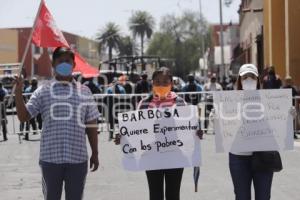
246 167
163 97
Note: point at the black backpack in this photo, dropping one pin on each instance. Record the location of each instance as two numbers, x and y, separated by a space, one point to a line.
192 98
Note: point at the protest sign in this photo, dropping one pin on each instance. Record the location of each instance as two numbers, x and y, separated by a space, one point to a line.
160 138
258 120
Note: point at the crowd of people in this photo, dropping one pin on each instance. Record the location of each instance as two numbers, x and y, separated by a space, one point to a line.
122 85
63 149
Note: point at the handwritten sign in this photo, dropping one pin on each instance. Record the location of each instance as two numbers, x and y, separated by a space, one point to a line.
258 120
161 138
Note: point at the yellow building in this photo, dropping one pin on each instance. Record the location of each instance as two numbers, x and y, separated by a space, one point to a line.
8 46
8 51
88 49
281 37
37 61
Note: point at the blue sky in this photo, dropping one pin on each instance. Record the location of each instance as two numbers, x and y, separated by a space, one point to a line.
86 17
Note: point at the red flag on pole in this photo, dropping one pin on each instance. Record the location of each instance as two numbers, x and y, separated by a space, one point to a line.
46 33
84 68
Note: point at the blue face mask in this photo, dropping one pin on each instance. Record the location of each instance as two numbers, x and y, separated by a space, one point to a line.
64 69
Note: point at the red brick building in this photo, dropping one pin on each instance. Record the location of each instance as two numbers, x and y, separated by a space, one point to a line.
38 60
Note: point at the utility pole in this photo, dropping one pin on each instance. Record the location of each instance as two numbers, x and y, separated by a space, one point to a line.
202 38
222 67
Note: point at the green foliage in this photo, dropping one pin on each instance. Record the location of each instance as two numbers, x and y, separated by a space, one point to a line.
127 47
109 38
142 24
180 38
162 44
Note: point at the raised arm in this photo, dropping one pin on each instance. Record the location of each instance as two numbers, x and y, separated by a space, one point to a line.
22 111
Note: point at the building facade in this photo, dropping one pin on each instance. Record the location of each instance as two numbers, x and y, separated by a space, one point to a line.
282 41
250 49
231 35
270 36
38 60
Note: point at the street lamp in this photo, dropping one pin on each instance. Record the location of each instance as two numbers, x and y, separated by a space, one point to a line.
222 39
202 36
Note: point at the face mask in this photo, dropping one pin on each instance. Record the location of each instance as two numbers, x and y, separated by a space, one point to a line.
249 84
160 91
64 69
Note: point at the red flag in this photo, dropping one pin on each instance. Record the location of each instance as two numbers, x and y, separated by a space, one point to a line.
86 70
46 33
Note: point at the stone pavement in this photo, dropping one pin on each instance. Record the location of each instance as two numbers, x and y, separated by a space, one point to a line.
20 177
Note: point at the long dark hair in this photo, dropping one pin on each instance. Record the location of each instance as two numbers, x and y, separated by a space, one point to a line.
239 83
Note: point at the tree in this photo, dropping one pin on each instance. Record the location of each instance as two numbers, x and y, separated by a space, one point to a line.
109 38
127 46
142 24
180 38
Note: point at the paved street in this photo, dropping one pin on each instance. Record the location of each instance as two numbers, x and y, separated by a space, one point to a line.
20 177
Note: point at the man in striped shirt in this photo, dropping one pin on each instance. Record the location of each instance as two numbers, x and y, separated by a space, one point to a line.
68 112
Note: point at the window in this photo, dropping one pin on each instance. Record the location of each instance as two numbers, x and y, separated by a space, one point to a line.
37 50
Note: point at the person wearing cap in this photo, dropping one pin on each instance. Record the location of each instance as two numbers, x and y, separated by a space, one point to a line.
211 86
289 85
69 113
240 163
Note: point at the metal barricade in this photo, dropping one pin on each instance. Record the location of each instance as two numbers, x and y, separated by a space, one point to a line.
109 105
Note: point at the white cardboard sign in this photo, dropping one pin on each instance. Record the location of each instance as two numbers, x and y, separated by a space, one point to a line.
258 120
160 138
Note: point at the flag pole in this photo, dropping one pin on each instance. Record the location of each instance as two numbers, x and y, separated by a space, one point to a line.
26 51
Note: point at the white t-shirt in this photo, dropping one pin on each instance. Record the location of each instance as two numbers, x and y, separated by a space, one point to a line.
242 153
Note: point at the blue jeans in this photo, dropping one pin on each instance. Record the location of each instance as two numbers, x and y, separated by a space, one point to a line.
242 176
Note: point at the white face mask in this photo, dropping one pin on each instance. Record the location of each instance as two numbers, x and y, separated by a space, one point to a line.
249 84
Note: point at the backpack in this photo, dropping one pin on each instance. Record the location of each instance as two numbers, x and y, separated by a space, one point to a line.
192 98
117 89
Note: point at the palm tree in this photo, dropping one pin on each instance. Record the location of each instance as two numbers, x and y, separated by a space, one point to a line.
127 47
110 38
142 24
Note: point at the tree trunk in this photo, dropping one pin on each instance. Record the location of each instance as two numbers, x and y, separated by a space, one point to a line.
142 45
142 52
109 53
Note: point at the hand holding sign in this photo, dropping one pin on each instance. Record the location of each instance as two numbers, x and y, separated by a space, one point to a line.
259 120
166 140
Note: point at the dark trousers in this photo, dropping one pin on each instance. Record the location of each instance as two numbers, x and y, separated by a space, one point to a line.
31 122
4 129
242 176
172 178
208 109
54 175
